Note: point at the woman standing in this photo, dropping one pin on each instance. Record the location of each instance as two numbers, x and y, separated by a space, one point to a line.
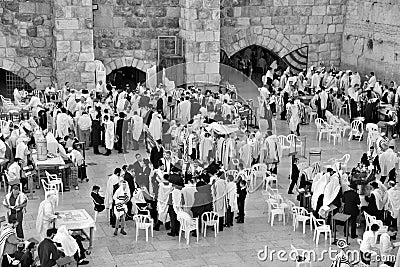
121 197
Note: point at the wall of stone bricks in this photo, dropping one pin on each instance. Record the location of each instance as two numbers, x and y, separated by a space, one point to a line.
26 40
129 28
283 25
74 52
371 39
200 28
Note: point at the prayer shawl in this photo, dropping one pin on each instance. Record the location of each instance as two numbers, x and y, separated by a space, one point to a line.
388 161
206 145
6 231
378 198
68 243
294 116
112 180
155 127
121 197
162 202
45 215
137 127
62 124
245 155
137 197
324 99
274 149
109 134
21 199
220 144
393 203
228 152
177 200
318 188
231 196
190 144
219 194
184 112
331 191
188 197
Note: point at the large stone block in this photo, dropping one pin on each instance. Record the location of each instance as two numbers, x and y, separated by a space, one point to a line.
281 2
334 10
201 78
319 10
38 42
83 57
195 68
63 46
87 77
27 7
305 2
67 24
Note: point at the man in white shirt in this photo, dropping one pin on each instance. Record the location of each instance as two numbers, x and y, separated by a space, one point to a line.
368 244
386 247
372 80
388 161
14 173
100 88
84 126
22 150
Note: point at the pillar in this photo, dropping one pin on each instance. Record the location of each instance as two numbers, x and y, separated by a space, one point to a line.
200 29
74 51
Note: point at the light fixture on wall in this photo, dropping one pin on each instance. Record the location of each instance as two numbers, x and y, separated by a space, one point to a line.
95 7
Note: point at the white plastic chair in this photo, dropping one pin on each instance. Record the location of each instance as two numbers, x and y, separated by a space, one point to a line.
345 126
322 128
283 142
275 210
295 142
370 220
313 113
49 189
261 170
54 180
143 222
300 214
356 129
336 134
188 224
302 258
210 219
320 227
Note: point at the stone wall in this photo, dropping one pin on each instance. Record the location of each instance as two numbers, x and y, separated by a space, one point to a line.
371 39
74 52
200 29
283 25
128 30
26 40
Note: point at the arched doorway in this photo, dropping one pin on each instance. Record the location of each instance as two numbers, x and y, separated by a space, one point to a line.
9 81
126 75
254 60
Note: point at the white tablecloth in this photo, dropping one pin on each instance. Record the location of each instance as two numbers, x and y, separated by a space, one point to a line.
75 219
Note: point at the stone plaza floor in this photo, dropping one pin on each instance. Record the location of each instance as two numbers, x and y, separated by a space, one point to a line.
235 246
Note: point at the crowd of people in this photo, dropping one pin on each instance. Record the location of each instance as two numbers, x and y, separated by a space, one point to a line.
194 138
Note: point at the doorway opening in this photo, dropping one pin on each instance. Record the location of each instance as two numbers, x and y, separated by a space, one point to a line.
126 75
253 61
9 81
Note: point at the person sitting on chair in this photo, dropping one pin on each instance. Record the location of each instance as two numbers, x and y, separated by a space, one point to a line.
97 199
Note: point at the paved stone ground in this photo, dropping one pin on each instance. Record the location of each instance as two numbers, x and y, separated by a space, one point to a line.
235 246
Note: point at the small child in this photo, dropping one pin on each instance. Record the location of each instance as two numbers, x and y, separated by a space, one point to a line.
242 193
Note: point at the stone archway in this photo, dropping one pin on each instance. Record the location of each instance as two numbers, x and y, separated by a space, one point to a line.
116 63
21 71
270 39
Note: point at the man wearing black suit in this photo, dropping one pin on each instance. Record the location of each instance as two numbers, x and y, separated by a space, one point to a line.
137 166
157 152
167 162
131 183
351 201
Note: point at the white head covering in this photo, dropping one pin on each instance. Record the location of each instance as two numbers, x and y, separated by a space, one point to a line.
68 243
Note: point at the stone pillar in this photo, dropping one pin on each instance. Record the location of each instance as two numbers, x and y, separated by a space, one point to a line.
74 51
200 28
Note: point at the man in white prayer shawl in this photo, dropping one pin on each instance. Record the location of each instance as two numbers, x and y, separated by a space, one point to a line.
63 123
318 188
155 127
46 215
393 204
219 194
109 135
388 161
137 129
113 180
164 189
188 196
331 192
184 111
68 243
